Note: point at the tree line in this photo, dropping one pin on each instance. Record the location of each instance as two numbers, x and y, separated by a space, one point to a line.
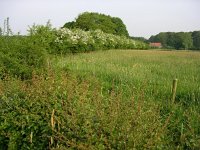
178 40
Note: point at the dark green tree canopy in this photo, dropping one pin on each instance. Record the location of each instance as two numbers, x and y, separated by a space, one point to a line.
142 39
92 21
179 40
196 39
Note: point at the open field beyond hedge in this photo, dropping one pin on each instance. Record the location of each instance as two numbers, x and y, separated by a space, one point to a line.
147 76
115 99
150 70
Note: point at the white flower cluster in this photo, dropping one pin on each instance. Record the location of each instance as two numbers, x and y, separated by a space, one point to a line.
78 38
73 36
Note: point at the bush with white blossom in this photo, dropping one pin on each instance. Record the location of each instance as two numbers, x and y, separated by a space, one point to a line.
77 40
66 40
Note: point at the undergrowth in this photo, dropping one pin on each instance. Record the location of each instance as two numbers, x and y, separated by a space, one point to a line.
63 111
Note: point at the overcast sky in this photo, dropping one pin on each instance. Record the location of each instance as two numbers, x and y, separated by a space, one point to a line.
142 17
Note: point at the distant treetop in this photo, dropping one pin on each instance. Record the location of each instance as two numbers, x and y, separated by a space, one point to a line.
178 40
92 21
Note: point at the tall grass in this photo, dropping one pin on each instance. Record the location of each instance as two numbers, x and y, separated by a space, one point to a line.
151 72
69 112
105 100
153 69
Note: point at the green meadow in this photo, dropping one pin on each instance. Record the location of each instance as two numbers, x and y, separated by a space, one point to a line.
138 85
133 70
114 99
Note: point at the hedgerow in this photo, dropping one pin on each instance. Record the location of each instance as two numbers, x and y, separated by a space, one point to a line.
20 56
64 40
77 40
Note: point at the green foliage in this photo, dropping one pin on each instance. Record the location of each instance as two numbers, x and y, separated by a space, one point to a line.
20 56
64 40
196 39
120 27
142 39
171 40
70 25
93 21
116 100
148 75
183 40
77 40
179 40
70 112
43 36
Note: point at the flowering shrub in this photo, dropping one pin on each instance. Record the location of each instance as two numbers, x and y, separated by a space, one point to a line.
66 40
73 40
77 40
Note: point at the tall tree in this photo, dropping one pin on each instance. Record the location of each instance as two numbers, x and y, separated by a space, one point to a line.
70 25
180 40
120 27
183 40
92 21
171 39
140 39
162 37
196 40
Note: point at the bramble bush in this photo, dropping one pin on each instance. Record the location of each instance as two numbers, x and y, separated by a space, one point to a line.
23 55
43 35
66 111
20 56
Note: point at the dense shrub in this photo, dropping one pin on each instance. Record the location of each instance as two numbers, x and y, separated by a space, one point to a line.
66 40
43 36
77 40
69 112
20 56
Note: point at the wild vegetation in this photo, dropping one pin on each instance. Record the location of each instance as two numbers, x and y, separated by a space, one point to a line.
146 77
116 99
19 57
21 54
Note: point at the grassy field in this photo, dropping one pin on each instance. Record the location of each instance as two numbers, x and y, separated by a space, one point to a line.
116 99
146 76
153 71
